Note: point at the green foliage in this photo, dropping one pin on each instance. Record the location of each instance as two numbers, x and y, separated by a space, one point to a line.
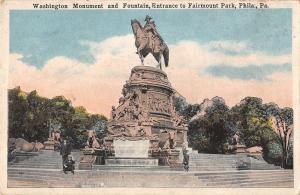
185 109
209 132
200 142
253 119
31 116
212 123
179 103
190 111
272 153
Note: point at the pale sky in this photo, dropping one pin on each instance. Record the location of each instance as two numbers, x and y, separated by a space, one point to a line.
87 55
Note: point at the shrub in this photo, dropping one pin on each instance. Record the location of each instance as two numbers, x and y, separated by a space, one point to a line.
272 153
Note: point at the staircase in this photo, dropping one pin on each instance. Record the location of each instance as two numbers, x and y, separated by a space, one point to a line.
206 170
247 178
227 162
45 159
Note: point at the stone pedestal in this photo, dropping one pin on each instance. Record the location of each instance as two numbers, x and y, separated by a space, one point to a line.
174 159
146 112
53 140
240 148
51 144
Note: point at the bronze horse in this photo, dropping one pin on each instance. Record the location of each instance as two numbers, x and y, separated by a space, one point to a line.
158 48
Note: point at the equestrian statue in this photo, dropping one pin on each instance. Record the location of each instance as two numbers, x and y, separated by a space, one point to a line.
147 40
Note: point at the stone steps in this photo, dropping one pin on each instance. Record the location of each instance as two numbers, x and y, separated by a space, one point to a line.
209 169
229 165
88 177
247 178
21 183
198 162
238 177
45 159
249 182
162 178
41 167
206 170
224 173
50 166
242 180
220 167
278 183
217 161
140 168
119 170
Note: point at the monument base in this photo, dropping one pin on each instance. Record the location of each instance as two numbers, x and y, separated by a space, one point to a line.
131 148
131 162
131 153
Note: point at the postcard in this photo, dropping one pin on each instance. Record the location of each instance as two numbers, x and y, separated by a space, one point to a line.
149 97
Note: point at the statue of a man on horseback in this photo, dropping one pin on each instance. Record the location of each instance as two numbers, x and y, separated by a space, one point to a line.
152 33
148 40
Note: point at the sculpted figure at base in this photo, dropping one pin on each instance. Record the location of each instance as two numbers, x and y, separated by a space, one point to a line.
120 131
172 142
21 145
92 141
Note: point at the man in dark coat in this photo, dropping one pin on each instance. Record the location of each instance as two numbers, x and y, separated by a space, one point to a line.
185 158
69 165
65 150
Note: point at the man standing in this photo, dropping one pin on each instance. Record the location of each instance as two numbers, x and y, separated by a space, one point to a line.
65 150
185 158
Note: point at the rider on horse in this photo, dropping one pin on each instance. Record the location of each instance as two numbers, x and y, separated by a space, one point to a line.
147 40
152 34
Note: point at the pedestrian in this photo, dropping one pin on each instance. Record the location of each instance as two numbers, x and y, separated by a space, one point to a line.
69 165
65 150
185 158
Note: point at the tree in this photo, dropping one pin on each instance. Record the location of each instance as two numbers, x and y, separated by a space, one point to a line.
99 124
265 125
179 103
282 123
32 116
17 105
36 117
251 117
209 130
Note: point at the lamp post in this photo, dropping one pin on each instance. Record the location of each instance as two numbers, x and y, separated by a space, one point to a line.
49 124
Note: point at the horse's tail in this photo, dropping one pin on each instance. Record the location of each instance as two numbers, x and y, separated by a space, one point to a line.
166 56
